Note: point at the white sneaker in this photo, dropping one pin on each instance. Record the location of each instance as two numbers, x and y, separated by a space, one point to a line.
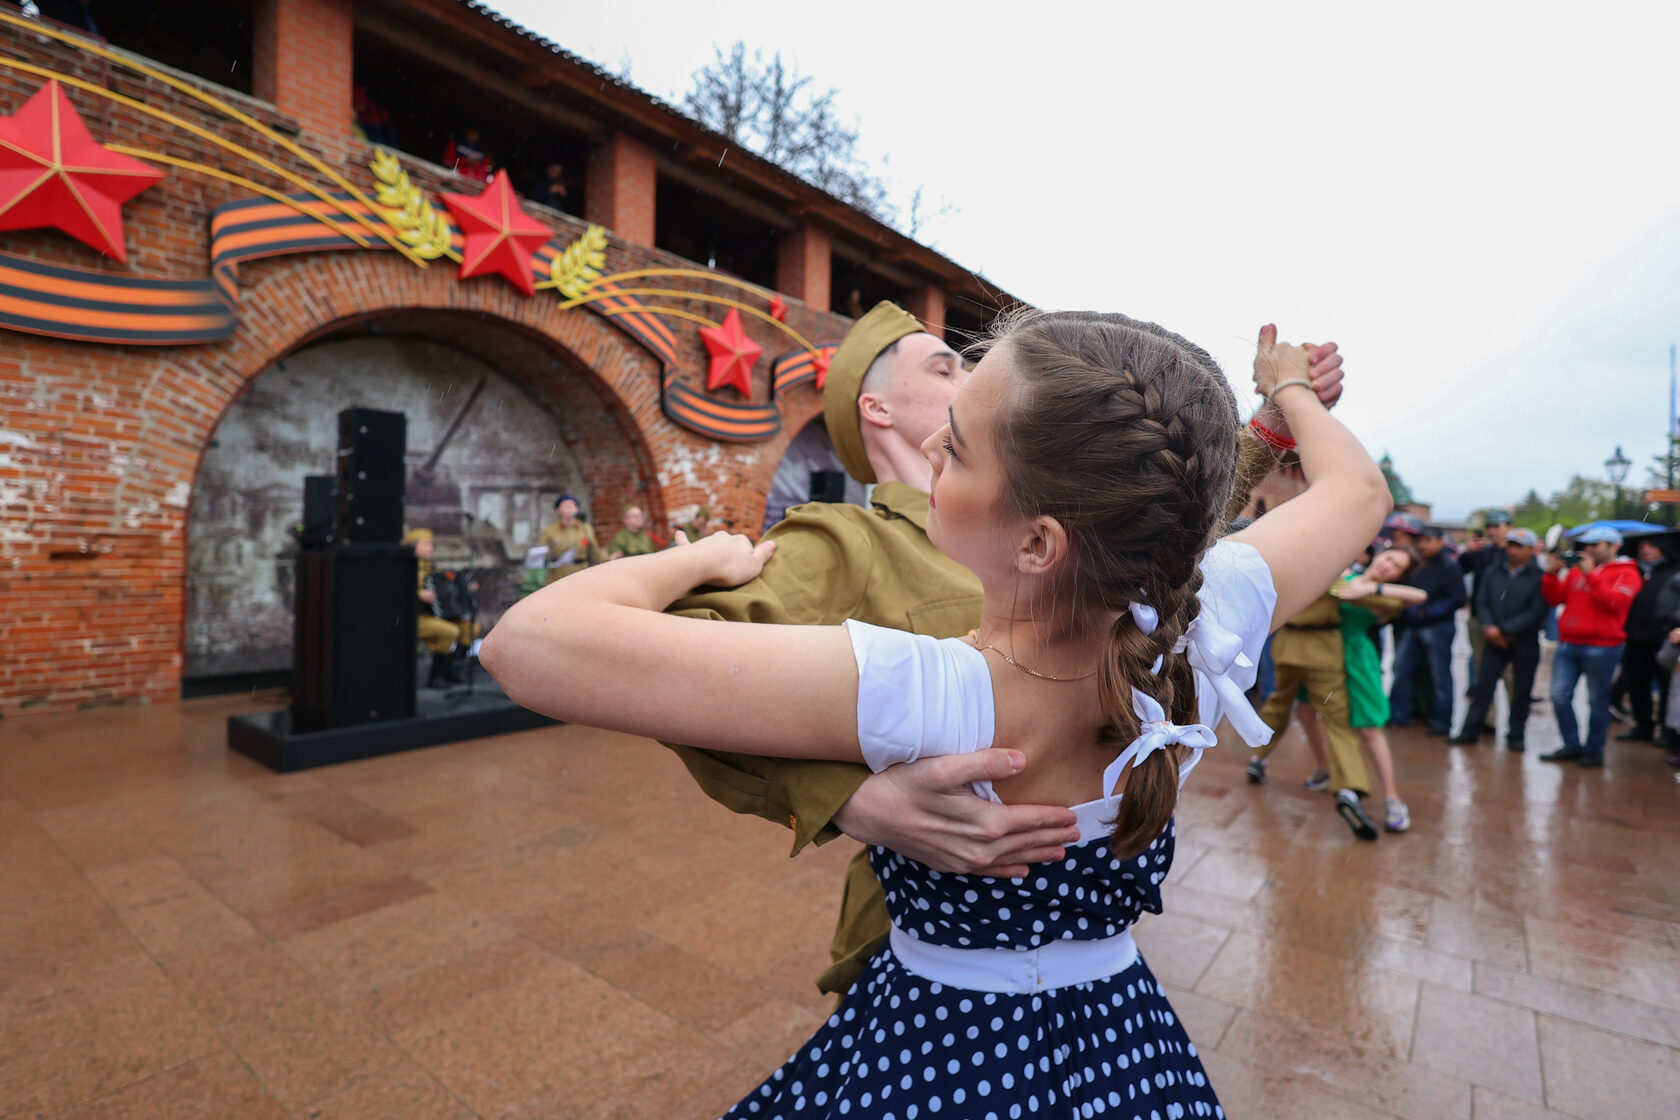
1396 817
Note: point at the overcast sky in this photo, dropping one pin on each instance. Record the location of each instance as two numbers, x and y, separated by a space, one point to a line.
1479 202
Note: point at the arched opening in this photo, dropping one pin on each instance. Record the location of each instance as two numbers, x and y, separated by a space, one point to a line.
499 421
810 470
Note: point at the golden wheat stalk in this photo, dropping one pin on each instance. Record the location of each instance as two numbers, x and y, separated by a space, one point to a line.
578 269
418 225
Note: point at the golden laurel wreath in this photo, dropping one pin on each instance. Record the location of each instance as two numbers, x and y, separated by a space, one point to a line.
418 225
578 269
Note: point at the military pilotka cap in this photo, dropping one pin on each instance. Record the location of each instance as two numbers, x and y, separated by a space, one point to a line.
885 324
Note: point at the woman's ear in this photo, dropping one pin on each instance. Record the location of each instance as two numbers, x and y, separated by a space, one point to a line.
1044 547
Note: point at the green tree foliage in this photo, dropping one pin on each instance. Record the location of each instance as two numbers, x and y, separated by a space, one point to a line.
1584 499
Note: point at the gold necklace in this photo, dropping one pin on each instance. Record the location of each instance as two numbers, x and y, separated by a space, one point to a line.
1030 672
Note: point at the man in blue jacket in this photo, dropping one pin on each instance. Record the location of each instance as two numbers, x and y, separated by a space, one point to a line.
1510 610
1429 634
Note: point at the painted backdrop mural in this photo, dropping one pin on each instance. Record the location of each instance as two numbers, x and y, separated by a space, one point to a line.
486 489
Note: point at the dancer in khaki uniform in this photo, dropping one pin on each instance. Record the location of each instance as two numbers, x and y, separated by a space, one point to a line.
888 388
1309 658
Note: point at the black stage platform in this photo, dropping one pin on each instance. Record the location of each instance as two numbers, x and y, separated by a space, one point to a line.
441 716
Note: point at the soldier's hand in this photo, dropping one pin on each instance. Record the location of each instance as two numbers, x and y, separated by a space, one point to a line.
926 811
428 596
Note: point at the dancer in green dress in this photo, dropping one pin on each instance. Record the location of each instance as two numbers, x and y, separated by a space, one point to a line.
1369 599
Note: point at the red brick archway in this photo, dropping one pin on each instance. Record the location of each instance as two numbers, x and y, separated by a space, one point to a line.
99 587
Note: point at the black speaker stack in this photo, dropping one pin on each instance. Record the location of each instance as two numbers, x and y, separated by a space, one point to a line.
353 658
353 644
370 476
828 486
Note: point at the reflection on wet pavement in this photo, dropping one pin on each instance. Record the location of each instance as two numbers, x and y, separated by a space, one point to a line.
556 924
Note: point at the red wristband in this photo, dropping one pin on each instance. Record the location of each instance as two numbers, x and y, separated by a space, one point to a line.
1270 438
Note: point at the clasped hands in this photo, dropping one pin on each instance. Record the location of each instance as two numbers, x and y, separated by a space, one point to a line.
1276 362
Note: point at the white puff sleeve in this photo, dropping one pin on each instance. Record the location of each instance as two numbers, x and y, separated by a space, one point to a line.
919 696
1238 599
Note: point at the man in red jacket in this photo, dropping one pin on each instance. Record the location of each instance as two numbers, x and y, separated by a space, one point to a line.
1595 596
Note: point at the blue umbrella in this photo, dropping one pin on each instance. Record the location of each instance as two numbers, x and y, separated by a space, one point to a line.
1625 528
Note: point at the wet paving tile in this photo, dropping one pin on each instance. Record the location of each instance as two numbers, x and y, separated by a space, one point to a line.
1590 1072
1477 1039
556 924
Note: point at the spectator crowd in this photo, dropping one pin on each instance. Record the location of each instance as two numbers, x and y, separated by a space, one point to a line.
1605 610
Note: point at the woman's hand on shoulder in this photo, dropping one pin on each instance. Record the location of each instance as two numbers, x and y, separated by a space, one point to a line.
1355 588
731 559
1276 362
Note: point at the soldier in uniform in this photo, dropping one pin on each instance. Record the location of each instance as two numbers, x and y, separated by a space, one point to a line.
568 534
447 639
632 539
888 388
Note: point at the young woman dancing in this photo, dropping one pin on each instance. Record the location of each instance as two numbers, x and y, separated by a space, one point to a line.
1081 478
1369 598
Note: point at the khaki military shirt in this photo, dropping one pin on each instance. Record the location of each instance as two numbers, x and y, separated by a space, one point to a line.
579 539
1313 638
835 562
626 543
832 562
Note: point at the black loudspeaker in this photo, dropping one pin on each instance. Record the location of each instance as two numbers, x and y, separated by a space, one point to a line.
828 486
353 646
370 476
319 512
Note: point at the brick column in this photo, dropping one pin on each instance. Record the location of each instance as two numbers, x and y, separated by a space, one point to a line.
803 267
928 304
619 188
301 62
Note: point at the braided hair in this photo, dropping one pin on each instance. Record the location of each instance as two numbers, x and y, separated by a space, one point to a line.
1126 434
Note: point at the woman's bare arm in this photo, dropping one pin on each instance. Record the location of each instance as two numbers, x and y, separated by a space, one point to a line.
594 648
1309 540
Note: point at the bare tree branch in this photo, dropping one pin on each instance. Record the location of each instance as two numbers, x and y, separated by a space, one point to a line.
773 110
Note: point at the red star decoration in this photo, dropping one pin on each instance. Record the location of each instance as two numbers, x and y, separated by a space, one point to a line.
54 174
500 236
733 354
778 308
820 362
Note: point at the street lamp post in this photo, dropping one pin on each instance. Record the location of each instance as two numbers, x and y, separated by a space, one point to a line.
1617 468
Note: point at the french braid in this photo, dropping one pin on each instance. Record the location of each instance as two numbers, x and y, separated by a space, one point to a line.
1126 434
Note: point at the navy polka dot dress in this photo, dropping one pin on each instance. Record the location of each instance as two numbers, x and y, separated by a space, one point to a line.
902 1047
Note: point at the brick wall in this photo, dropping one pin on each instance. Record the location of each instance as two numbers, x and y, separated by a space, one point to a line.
804 265
622 180
302 62
927 303
100 445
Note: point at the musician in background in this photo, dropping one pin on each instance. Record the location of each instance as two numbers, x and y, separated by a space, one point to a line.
448 639
632 539
570 541
700 526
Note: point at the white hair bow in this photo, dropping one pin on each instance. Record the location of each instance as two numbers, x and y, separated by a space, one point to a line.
1158 734
1213 651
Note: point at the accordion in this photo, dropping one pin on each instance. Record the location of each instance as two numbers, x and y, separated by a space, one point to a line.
454 598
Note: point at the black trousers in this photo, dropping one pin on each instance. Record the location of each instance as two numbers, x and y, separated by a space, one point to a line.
1639 675
1523 658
